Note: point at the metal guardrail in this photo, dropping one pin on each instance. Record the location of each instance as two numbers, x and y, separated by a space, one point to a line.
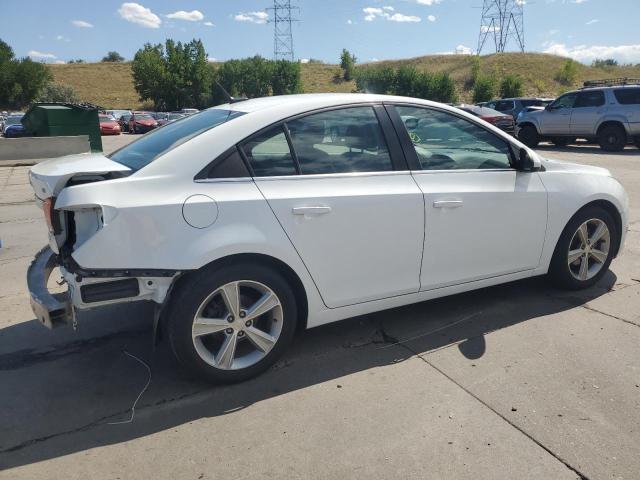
611 82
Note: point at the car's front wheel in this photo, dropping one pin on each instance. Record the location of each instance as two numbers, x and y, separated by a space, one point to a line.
529 136
232 323
585 249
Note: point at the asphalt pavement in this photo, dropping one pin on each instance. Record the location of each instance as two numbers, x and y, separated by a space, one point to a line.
517 381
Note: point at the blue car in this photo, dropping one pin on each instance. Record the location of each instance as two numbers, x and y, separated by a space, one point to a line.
13 128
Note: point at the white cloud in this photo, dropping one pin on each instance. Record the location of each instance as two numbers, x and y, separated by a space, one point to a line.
59 37
591 22
371 13
586 54
578 1
399 17
192 16
489 28
349 22
59 62
81 24
212 59
208 24
462 50
304 60
136 13
428 2
431 18
252 17
37 54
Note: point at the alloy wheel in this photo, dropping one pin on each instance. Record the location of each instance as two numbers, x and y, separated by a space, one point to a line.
237 325
589 249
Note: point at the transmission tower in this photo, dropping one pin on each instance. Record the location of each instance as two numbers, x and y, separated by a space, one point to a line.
504 21
282 34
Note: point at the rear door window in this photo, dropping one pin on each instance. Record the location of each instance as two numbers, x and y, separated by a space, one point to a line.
589 99
269 154
627 96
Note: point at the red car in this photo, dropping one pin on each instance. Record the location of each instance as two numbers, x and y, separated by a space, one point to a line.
142 122
501 120
108 125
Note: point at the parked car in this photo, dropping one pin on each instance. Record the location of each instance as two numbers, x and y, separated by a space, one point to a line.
117 113
123 121
141 122
502 121
13 128
250 220
108 125
2 120
607 115
513 106
164 118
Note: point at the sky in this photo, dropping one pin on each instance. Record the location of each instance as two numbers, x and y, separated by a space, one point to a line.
61 30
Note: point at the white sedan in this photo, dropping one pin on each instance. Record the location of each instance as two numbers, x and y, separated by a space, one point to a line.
250 220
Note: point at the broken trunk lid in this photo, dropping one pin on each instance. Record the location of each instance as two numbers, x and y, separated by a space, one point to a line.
51 176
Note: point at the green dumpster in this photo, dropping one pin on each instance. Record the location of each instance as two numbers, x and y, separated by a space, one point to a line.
64 120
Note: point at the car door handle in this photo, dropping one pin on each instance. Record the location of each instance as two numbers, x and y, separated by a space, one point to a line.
448 203
312 210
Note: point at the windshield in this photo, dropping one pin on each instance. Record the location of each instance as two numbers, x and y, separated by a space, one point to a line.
13 120
143 116
149 147
104 119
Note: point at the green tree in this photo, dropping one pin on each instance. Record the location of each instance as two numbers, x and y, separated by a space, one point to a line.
511 86
21 81
484 89
376 79
113 57
568 73
56 92
475 68
285 78
347 64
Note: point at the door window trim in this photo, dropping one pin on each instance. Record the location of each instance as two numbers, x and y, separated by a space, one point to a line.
410 152
396 153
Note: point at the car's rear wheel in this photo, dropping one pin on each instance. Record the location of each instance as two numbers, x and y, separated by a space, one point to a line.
529 136
230 324
612 138
585 249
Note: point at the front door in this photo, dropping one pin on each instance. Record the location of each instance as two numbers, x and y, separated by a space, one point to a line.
556 118
350 208
483 218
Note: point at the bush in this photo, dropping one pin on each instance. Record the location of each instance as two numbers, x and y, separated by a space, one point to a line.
604 64
511 86
347 64
475 69
113 57
568 73
56 92
406 81
540 86
484 89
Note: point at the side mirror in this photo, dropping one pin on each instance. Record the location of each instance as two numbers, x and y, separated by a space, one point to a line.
525 162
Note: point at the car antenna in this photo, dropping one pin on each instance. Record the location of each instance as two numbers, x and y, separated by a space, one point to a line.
230 99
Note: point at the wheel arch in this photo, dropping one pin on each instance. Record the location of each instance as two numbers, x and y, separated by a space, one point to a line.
617 122
612 210
292 278
528 123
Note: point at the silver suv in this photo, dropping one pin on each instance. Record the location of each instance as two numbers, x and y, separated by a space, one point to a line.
609 115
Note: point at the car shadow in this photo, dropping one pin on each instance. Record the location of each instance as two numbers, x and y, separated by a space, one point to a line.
630 150
61 401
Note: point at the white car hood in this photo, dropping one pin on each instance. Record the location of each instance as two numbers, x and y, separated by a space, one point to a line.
49 177
558 166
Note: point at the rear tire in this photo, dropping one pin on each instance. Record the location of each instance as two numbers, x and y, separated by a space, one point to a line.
612 138
529 136
256 341
589 236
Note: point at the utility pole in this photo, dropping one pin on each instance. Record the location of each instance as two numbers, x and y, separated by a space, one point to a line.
282 34
504 21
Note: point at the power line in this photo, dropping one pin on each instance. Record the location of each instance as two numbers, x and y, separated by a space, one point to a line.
504 21
282 33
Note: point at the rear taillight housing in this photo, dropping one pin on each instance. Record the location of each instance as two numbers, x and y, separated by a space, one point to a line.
50 215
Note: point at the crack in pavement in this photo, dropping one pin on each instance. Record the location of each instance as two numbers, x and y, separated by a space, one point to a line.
587 307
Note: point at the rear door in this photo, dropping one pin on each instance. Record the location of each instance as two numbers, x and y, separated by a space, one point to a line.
339 186
587 111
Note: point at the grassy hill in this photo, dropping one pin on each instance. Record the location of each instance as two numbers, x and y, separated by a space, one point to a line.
110 85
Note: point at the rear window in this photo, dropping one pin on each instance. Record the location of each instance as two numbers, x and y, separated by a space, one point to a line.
628 96
142 152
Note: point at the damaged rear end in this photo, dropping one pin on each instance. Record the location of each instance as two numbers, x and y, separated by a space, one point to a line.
69 227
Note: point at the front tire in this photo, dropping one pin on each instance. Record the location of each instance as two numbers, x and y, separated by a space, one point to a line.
585 249
612 138
232 323
529 136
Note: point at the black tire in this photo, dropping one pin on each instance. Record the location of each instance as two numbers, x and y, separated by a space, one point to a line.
559 270
612 138
529 136
193 291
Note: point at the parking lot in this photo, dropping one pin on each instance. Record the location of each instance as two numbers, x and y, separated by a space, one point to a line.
518 381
